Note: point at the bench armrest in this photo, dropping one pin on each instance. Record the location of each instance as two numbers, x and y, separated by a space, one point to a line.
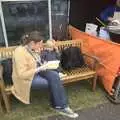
95 59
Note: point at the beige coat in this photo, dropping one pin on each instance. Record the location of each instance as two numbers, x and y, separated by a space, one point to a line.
24 67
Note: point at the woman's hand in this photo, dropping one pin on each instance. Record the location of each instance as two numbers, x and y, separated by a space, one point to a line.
41 68
110 19
55 45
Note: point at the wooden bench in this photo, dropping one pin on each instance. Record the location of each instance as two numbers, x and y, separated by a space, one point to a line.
1 102
78 74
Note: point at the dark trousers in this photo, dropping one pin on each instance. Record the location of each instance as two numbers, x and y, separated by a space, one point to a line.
57 92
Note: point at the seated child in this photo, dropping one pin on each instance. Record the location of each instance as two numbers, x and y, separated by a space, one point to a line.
51 53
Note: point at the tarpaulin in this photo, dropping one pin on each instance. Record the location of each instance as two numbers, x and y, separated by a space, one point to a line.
107 52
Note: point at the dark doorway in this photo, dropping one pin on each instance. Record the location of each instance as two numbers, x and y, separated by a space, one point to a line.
83 11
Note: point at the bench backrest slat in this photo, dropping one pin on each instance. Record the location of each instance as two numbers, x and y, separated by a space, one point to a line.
7 52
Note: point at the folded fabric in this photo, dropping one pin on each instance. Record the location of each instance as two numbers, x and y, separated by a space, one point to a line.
116 21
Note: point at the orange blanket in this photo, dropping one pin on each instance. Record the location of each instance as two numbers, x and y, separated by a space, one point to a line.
108 53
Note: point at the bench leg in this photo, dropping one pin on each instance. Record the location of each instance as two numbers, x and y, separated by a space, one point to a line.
94 83
6 99
1 104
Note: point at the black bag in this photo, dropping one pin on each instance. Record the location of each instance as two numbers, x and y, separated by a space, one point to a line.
71 58
7 71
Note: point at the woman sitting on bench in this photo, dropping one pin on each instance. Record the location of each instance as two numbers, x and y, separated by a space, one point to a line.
28 73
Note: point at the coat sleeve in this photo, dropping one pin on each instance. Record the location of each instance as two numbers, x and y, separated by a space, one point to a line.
20 64
108 12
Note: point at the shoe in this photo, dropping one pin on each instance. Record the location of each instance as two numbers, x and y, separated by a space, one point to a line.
68 112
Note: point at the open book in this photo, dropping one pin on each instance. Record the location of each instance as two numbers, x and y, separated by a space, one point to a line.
51 65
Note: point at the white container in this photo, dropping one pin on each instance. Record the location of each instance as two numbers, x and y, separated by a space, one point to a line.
91 29
104 34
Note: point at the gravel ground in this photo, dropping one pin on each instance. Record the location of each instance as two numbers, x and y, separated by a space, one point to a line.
106 111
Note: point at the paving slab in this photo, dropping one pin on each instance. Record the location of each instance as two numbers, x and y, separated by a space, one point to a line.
106 111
